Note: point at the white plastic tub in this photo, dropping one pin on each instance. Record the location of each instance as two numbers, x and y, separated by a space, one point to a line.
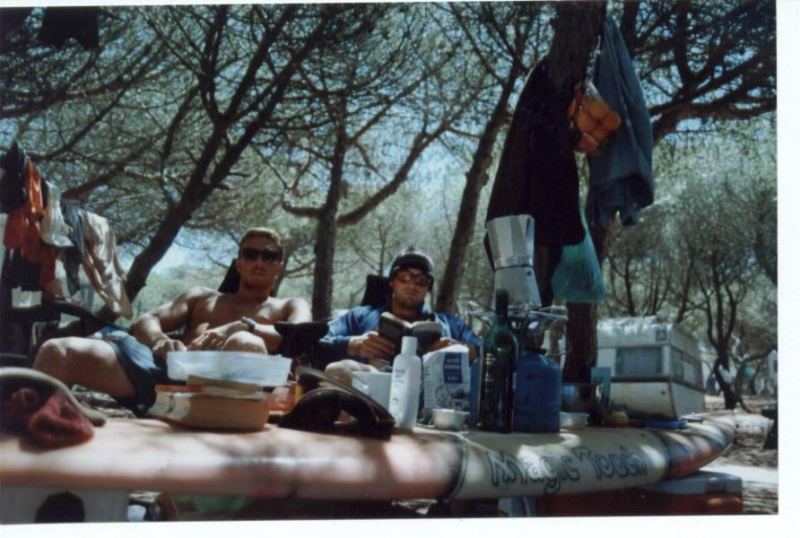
240 366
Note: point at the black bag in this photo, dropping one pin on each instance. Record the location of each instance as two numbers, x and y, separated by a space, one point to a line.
324 399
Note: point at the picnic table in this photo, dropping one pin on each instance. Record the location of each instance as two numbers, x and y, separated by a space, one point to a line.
279 463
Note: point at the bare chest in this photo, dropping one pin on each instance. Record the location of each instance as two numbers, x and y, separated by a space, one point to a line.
218 310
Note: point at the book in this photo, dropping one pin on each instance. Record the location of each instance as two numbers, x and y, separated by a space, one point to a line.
212 404
394 329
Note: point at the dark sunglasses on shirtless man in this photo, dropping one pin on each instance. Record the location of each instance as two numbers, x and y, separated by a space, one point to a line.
267 255
420 279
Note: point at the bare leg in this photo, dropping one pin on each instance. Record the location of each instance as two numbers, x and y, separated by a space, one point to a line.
343 370
245 341
86 361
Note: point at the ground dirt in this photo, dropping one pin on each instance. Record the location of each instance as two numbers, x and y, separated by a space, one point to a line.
748 458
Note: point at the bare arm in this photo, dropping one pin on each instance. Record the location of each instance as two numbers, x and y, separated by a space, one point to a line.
151 328
296 310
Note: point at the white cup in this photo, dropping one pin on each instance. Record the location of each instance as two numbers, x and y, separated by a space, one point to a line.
374 384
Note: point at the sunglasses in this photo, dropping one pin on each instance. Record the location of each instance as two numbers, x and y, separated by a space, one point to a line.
267 255
421 280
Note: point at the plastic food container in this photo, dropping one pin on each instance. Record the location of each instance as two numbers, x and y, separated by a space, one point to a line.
581 397
449 419
239 366
574 421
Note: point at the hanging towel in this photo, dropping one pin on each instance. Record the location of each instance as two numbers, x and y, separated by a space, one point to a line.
621 177
54 231
72 256
102 265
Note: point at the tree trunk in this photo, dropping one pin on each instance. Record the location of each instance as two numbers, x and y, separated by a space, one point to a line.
727 389
577 28
324 250
582 325
581 343
161 241
477 177
325 245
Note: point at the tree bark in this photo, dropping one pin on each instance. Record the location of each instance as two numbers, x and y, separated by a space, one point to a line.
582 324
477 177
324 251
325 244
577 28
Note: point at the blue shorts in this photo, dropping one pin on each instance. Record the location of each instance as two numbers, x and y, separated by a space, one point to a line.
137 361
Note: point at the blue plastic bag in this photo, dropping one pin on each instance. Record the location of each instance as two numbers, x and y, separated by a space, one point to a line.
577 277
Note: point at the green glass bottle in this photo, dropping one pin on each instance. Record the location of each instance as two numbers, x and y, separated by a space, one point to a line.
498 363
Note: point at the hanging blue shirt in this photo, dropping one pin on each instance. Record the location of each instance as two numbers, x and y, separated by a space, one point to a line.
362 319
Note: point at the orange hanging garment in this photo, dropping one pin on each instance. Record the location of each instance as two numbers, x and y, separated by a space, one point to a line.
22 228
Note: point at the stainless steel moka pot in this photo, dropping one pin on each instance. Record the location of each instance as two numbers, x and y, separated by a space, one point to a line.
511 246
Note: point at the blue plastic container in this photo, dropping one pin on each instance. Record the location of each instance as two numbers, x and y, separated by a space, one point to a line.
537 397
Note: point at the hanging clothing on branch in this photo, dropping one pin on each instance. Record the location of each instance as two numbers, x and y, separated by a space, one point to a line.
23 226
537 174
102 265
72 256
621 177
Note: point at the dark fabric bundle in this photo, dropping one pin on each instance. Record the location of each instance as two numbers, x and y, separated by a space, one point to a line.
325 399
41 407
537 174
50 420
12 184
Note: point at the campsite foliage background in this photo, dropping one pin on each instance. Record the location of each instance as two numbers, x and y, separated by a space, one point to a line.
357 129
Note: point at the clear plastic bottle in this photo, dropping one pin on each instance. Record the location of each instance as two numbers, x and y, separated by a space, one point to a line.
406 382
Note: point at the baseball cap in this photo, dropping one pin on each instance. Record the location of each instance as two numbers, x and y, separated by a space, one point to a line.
412 258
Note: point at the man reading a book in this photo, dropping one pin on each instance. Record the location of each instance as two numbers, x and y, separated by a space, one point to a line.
354 338
129 366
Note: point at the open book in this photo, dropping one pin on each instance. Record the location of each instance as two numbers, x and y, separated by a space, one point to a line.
212 404
393 328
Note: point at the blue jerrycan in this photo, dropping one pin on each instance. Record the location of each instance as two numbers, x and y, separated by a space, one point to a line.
537 398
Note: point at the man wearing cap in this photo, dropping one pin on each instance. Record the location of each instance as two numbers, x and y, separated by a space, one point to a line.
129 366
353 334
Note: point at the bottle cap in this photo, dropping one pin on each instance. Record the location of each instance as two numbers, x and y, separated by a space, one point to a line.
408 345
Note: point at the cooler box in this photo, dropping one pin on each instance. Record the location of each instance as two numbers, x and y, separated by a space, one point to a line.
704 492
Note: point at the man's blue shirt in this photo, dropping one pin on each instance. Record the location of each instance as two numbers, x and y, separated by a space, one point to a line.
362 319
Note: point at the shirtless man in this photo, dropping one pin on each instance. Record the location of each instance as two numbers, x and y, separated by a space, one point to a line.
128 368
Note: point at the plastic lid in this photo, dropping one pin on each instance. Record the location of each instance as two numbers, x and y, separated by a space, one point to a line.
409 345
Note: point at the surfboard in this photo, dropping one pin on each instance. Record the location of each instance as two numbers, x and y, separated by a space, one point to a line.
423 464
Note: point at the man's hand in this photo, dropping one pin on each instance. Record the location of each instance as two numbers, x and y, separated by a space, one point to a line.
371 346
165 345
212 338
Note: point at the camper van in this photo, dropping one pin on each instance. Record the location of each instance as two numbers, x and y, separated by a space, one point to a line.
655 366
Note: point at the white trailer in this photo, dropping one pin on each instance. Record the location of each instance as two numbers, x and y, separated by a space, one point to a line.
655 366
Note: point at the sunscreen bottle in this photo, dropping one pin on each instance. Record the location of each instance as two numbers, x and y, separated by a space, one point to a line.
405 387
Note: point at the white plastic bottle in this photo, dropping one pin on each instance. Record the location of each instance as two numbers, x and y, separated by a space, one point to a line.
406 382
